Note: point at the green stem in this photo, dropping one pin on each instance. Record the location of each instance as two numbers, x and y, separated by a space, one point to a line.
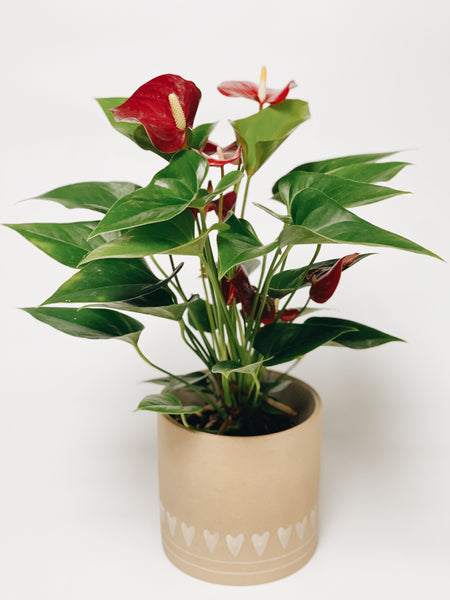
247 185
299 283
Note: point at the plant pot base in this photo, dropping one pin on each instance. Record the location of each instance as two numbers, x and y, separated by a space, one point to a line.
241 510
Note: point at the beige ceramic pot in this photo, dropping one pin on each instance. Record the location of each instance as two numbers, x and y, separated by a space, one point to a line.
241 510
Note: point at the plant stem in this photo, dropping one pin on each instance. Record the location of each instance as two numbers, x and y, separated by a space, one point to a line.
247 185
299 283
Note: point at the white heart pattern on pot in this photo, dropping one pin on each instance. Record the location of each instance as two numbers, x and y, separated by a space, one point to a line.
234 543
300 527
284 535
172 523
260 542
188 533
211 539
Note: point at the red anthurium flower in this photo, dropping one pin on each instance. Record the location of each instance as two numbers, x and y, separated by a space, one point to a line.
231 154
260 93
166 107
324 280
240 287
229 200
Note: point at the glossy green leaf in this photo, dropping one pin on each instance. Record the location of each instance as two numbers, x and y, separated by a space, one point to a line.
285 282
176 236
198 316
262 133
331 164
283 218
345 192
201 134
203 197
360 338
166 403
287 341
237 242
153 305
65 242
169 193
172 384
111 281
91 323
319 220
92 195
228 367
370 172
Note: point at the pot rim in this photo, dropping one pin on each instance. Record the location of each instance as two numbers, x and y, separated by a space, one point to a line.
316 411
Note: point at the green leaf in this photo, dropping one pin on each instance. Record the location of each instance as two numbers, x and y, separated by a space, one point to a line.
112 281
237 242
176 236
285 282
169 193
345 192
287 341
371 172
262 133
203 197
65 242
284 218
331 164
166 403
92 195
94 324
171 384
319 220
173 312
198 315
228 367
360 338
201 134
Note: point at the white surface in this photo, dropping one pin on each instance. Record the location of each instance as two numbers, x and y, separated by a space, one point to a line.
79 517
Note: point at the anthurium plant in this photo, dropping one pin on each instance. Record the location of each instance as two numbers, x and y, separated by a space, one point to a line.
249 316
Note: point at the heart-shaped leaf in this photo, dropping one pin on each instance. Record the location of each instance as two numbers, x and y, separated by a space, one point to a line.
371 172
153 305
345 192
237 242
228 180
166 403
171 383
112 281
359 338
285 282
262 133
169 193
331 164
92 195
198 316
67 243
287 341
200 135
228 367
319 220
90 323
176 236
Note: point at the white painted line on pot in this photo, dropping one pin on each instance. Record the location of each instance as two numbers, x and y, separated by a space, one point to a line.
313 538
282 567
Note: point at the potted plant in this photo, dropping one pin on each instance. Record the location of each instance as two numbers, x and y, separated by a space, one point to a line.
239 443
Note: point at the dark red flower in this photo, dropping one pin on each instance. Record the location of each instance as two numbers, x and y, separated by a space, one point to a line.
228 202
247 89
324 280
241 288
166 107
231 154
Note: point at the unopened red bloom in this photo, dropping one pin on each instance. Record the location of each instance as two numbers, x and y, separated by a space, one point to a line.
324 280
231 154
166 107
228 202
260 93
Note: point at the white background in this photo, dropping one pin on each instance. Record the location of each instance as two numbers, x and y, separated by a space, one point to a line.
79 517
